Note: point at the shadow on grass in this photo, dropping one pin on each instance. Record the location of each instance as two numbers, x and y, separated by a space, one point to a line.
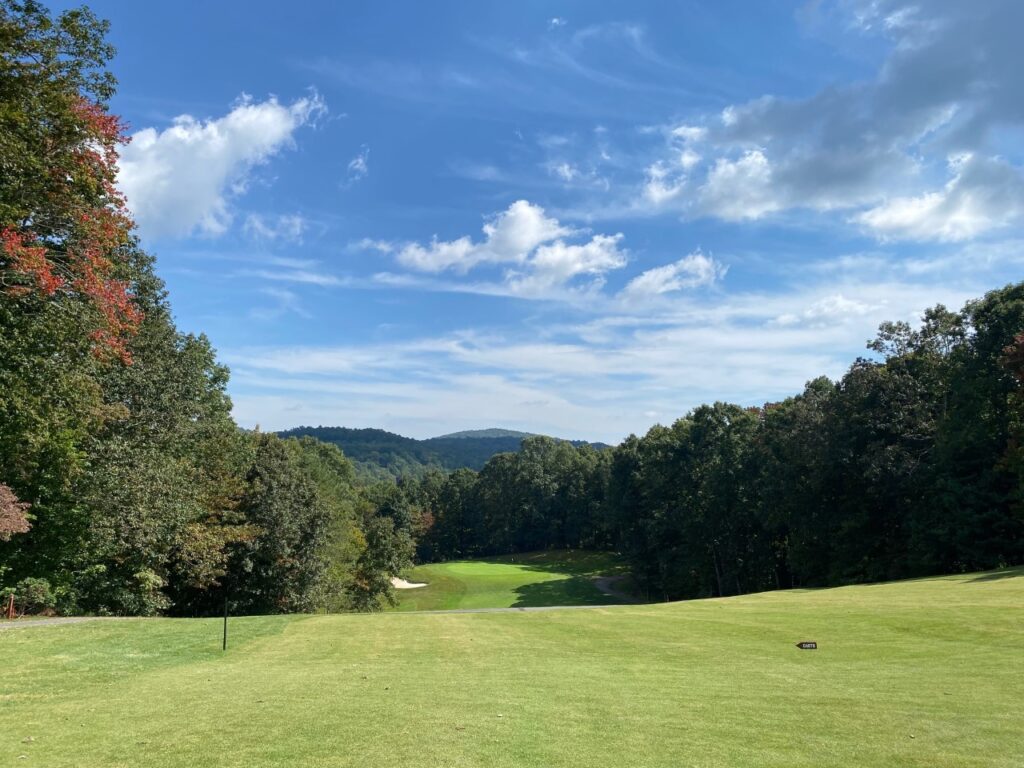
570 562
575 590
1005 573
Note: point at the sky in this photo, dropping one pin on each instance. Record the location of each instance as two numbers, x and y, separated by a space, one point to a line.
573 218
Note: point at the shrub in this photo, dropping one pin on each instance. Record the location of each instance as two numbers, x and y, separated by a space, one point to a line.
33 596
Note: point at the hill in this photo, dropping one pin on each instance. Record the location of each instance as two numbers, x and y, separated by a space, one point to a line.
492 432
379 454
914 673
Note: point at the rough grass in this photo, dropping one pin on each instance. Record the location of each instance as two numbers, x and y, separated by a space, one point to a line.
922 673
511 581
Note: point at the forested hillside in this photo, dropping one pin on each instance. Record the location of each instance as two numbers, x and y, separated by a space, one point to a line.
125 485
911 464
380 455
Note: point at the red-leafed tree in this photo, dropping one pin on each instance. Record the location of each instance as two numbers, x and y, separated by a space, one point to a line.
65 232
12 514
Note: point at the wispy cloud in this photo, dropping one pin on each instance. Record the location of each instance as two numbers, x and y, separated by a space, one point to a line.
281 302
359 166
287 228
596 381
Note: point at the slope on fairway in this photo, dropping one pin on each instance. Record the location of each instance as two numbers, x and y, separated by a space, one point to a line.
511 581
922 673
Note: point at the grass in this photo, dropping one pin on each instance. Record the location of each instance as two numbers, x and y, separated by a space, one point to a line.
921 673
511 581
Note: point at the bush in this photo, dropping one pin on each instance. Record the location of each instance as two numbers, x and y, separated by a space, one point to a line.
33 596
66 601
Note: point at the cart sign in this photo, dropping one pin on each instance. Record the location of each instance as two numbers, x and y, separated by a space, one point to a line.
807 645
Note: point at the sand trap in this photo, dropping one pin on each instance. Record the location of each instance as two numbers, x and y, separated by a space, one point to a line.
398 583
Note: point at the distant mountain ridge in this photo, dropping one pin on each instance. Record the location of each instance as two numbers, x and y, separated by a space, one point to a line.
380 454
492 432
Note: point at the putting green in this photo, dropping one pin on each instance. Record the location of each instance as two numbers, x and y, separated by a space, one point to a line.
512 581
923 673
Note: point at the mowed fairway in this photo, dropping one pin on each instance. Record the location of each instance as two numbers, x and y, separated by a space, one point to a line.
923 673
511 581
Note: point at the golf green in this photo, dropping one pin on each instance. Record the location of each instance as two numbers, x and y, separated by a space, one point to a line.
512 581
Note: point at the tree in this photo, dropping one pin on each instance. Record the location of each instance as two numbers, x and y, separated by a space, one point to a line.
63 224
281 568
343 542
388 551
13 517
1013 360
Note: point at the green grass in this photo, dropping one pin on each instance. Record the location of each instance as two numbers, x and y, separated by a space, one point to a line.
926 673
511 581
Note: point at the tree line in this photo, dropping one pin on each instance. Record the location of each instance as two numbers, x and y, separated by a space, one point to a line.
911 464
125 486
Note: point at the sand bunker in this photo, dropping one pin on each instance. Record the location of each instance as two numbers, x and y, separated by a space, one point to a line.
398 583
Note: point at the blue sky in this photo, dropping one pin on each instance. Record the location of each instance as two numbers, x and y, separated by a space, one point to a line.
575 218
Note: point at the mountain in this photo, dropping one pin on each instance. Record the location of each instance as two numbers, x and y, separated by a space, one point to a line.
378 454
493 432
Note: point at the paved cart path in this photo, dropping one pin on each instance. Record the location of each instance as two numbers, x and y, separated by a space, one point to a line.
18 623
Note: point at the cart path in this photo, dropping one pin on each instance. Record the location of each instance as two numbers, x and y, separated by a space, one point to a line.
607 586
54 620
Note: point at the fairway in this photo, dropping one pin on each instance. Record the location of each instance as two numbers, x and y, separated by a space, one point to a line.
923 673
512 581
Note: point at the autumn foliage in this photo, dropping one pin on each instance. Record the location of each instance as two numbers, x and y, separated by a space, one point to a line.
82 259
12 514
65 230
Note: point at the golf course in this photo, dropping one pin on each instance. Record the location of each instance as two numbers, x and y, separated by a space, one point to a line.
927 672
531 580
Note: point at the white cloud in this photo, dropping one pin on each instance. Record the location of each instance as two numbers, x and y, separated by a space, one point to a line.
509 236
359 166
661 186
556 264
984 194
689 133
287 227
688 159
183 178
567 172
691 271
828 310
872 148
740 189
369 244
305 273
538 261
440 255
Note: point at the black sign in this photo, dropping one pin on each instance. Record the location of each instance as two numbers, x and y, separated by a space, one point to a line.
807 645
